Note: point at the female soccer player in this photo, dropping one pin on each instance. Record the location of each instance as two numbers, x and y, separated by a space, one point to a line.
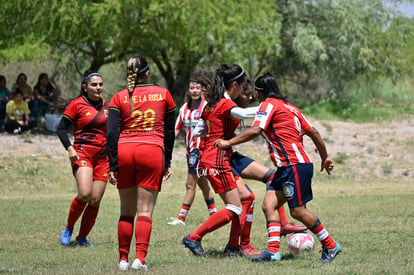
140 143
88 115
283 126
188 117
246 168
228 83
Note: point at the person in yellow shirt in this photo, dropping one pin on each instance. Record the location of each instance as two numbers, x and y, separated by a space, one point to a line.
18 112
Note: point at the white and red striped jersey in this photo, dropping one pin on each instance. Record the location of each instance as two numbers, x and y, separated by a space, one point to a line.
284 126
188 119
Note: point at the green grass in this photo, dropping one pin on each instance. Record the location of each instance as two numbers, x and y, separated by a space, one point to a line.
372 220
370 102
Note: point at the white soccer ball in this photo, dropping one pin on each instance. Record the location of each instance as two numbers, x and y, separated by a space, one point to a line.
301 243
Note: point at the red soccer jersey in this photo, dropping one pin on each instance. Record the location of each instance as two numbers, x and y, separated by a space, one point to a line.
188 119
220 125
284 126
145 123
89 123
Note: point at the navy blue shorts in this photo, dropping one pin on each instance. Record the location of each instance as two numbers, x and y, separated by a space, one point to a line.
296 183
239 162
192 161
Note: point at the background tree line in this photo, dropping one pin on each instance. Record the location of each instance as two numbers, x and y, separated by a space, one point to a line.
316 47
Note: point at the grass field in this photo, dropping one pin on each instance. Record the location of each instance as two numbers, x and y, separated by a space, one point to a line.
372 219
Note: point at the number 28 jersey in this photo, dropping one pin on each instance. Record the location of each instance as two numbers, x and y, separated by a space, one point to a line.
144 122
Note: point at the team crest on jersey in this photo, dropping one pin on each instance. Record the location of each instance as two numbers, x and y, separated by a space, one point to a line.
88 114
196 114
83 163
288 189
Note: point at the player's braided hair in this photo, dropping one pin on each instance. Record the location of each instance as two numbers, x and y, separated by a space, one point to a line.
136 69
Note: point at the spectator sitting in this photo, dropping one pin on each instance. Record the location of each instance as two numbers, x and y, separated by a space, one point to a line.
18 112
45 95
21 84
4 98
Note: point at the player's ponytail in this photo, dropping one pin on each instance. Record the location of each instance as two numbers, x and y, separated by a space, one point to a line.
225 75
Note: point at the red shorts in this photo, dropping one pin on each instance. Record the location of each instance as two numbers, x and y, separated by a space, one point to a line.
94 157
221 177
140 164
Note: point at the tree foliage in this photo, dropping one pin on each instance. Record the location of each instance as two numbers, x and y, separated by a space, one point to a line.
334 43
313 44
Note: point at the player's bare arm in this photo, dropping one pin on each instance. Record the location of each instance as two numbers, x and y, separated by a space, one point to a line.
327 162
246 136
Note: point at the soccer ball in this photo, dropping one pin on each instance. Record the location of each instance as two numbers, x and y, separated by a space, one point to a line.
300 243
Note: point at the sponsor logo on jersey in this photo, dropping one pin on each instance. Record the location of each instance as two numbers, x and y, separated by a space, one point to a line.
207 172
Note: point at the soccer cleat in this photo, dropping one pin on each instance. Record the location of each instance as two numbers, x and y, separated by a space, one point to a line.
84 242
175 221
230 251
65 236
137 265
194 246
291 228
250 251
123 265
267 256
329 254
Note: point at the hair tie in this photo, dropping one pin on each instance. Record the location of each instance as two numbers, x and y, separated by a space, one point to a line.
143 69
258 88
234 78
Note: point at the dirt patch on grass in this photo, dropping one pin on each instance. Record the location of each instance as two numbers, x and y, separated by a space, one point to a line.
370 150
360 151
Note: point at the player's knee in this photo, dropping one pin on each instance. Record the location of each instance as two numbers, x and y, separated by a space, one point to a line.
85 196
235 209
94 202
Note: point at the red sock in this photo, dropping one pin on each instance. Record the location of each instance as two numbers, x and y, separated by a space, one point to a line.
183 212
143 228
76 209
211 206
323 236
88 221
222 217
282 215
235 231
273 232
247 220
125 232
